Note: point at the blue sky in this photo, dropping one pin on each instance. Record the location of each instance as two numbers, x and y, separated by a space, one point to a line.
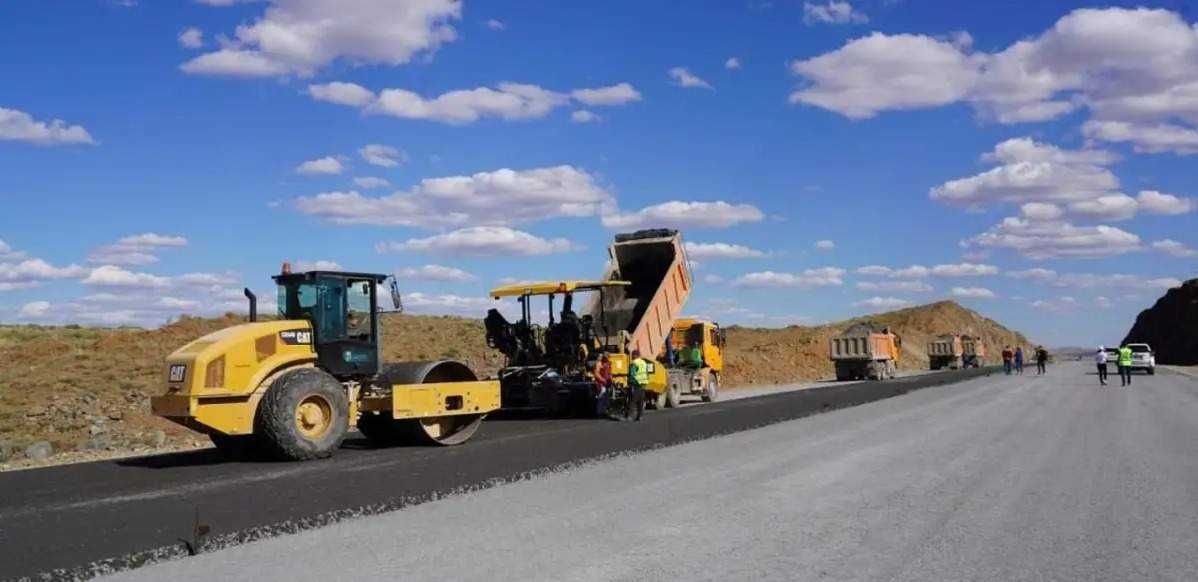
1031 160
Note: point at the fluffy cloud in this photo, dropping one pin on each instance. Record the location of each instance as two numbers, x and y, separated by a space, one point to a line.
895 286
482 241
679 214
584 116
1034 274
1175 249
825 245
1052 240
511 101
7 253
1118 280
822 277
382 155
34 310
722 251
26 273
618 94
191 37
495 24
682 77
964 270
834 12
114 276
911 272
882 303
369 182
325 165
1133 69
973 293
140 249
301 37
20 126
317 265
437 273
732 63
1160 203
447 303
500 197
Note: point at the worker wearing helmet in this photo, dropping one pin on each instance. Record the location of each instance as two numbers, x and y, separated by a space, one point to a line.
638 377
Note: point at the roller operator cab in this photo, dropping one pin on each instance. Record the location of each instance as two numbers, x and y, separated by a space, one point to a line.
291 388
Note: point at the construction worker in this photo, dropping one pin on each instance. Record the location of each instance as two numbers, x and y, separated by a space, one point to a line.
1041 360
692 356
1007 356
1100 358
602 374
1019 360
638 378
1125 366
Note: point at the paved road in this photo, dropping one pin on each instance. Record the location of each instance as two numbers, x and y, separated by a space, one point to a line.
94 517
1001 478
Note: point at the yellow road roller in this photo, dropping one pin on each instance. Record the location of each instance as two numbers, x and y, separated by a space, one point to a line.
291 388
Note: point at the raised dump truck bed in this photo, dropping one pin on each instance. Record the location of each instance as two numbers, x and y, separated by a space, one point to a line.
973 351
865 351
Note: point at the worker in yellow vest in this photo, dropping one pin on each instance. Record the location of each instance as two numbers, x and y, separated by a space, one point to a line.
638 378
1125 366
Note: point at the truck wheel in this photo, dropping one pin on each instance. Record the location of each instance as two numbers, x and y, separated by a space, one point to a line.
673 396
660 401
303 415
713 389
235 447
1152 371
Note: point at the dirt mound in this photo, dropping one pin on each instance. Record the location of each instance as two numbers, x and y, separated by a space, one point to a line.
1170 326
776 356
86 391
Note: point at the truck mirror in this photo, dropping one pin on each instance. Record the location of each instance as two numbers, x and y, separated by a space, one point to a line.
396 300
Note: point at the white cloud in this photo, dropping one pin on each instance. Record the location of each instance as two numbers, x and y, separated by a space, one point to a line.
722 251
713 279
973 293
7 253
895 286
584 116
911 272
1108 207
1060 305
382 155
880 72
140 249
204 279
834 12
499 197
682 77
825 245
964 270
732 63
619 94
317 265
447 303
369 182
1052 240
1118 280
34 310
437 273
821 277
883 303
679 214
191 37
495 24
301 37
325 165
350 94
482 241
1155 202
1175 249
1146 138
1033 274
20 126
1041 211
36 270
114 276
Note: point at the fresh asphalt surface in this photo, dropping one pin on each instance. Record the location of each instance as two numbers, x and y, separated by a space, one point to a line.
78 520
997 478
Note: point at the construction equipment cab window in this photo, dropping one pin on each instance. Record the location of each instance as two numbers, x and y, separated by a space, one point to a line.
342 308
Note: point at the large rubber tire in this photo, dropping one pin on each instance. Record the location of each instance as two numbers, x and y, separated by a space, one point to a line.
287 430
384 430
713 388
236 447
658 402
673 396
1152 371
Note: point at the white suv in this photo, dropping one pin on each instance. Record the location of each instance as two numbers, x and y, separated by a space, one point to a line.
1142 358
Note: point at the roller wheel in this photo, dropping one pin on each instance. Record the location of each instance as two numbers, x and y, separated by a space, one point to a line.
235 447
302 416
713 388
673 396
384 430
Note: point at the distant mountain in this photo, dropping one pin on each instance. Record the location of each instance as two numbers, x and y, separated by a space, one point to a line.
1171 326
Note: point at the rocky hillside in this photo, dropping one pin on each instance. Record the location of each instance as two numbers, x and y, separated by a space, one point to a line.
85 391
1170 326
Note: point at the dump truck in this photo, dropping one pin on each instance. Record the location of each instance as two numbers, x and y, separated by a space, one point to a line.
973 351
945 351
292 387
865 351
694 357
631 308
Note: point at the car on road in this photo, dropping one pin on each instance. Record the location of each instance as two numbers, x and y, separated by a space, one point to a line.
1143 358
1112 355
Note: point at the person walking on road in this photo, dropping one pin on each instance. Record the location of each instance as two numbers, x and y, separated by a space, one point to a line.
1019 360
1100 361
638 377
1125 366
1041 360
1007 356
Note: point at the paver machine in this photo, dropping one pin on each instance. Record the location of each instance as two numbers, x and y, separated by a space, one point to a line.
549 367
292 387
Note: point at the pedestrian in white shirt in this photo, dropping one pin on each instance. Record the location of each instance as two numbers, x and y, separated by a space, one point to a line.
1100 359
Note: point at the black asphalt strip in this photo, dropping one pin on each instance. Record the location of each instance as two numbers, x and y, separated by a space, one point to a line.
78 521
